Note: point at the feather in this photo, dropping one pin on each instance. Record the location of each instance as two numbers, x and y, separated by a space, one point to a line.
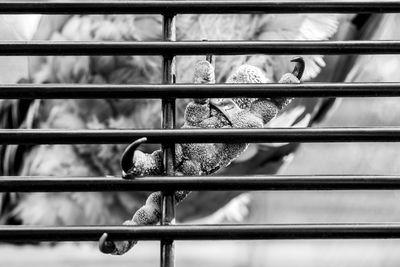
86 160
13 70
256 27
378 68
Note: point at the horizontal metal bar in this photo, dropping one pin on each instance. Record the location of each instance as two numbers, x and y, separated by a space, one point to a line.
201 232
205 6
80 91
194 183
270 135
42 48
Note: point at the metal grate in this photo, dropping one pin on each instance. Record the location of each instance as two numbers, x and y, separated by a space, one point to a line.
167 136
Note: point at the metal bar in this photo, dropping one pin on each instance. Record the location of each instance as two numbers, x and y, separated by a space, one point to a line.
80 91
202 6
201 232
167 247
214 183
267 135
43 48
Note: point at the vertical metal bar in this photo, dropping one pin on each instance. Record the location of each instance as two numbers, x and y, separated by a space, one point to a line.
168 122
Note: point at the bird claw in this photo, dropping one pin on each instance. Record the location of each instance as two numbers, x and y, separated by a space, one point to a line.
299 67
114 247
127 156
121 247
107 247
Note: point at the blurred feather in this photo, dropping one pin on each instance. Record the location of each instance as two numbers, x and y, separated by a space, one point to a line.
13 69
89 160
378 68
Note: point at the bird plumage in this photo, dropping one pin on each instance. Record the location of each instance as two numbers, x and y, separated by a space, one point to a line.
100 160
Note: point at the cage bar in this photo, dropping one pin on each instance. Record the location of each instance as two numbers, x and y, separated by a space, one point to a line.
167 258
168 136
200 183
202 232
198 6
159 136
128 91
181 48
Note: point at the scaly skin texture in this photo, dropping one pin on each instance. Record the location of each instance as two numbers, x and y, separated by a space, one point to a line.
204 159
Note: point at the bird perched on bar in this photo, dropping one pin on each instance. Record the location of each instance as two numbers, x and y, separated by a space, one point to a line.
100 208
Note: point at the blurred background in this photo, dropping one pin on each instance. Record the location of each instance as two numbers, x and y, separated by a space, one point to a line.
260 207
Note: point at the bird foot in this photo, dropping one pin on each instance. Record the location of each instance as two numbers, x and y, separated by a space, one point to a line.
116 247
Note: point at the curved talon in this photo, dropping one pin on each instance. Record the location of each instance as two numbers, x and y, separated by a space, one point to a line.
107 247
299 67
127 156
210 58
